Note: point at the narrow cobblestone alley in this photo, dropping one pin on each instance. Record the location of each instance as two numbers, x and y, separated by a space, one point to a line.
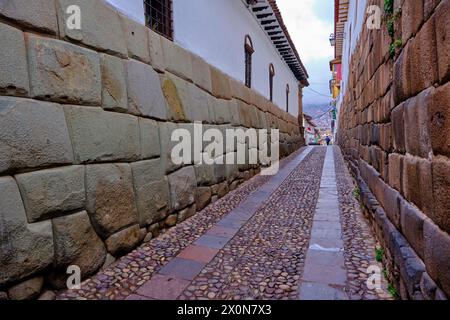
280 237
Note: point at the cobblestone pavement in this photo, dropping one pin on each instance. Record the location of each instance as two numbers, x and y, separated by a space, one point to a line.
251 244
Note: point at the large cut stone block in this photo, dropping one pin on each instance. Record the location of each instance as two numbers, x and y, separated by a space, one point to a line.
437 254
145 96
442 36
76 243
441 191
398 126
412 221
396 171
176 92
202 73
221 109
63 72
98 135
13 61
36 14
25 248
149 133
412 18
182 185
152 191
178 60
221 87
165 133
100 26
33 134
53 191
439 117
114 84
136 38
124 241
157 58
111 201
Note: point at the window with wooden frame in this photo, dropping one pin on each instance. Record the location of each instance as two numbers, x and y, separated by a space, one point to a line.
271 76
158 16
287 97
248 60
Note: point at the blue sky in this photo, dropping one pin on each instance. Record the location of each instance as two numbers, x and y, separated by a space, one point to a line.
310 23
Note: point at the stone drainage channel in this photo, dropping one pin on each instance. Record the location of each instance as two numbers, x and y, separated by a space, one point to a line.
273 238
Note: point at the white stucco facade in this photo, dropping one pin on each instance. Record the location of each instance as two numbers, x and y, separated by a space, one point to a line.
215 30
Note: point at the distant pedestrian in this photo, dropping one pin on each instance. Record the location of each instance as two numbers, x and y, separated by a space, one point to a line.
328 140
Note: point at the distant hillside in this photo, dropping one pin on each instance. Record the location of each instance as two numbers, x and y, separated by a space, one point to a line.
316 111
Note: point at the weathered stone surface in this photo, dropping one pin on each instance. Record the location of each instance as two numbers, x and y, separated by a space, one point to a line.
412 18
111 202
76 243
439 120
178 60
412 221
171 221
47 295
145 96
165 132
98 135
437 254
442 36
223 189
13 61
182 185
34 134
202 73
136 39
98 21
396 171
124 241
203 197
152 191
220 84
186 213
175 91
398 126
390 202
441 190
37 14
222 110
157 58
114 85
109 260
198 109
27 290
149 133
205 174
60 71
26 248
53 191
417 176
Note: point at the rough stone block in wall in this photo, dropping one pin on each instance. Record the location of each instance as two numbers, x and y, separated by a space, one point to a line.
34 134
124 241
100 26
402 75
205 174
60 71
437 255
178 60
99 135
412 220
201 73
149 138
165 133
145 96
234 112
424 61
239 90
157 58
136 39
443 42
50 192
76 243
412 18
203 197
220 84
441 190
221 109
36 14
417 138
26 248
13 62
417 177
439 117
245 114
152 191
396 171
114 84
182 185
174 89
111 201
199 109
398 126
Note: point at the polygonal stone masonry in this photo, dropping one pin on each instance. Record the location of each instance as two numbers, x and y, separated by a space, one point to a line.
136 38
182 185
114 85
149 138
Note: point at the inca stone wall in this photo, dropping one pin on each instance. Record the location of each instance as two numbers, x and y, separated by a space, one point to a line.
86 118
395 131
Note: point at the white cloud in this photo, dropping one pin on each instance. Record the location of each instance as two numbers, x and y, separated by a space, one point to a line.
309 32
